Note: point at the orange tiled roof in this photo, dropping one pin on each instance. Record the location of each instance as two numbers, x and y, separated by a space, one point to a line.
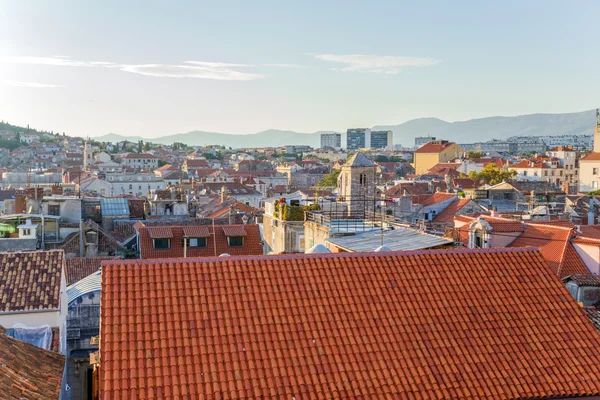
216 243
590 231
500 225
160 232
196 231
447 215
401 325
591 157
30 280
29 372
79 267
554 243
436 146
434 199
234 230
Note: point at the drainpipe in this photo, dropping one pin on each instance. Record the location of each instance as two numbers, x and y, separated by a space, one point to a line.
184 247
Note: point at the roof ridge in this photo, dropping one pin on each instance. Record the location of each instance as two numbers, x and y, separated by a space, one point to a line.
322 255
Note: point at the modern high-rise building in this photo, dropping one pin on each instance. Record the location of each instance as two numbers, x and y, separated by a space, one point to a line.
359 138
422 140
331 140
381 139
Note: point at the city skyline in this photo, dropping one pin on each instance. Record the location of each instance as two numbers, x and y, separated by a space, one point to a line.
152 71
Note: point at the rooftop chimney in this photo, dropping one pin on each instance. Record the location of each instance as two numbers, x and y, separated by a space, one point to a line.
223 194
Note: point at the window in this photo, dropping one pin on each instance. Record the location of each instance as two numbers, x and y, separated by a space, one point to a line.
235 241
196 242
594 184
524 173
161 244
53 210
545 173
130 186
363 179
26 231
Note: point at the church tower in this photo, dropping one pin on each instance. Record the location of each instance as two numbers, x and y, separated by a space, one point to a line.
87 154
597 133
356 185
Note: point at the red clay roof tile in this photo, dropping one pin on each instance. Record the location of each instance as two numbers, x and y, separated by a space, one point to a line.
429 324
196 231
29 372
160 232
234 230
30 280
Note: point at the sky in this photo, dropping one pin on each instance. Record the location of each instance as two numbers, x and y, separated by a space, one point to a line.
154 68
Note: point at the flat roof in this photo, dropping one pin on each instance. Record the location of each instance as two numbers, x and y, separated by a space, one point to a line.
399 239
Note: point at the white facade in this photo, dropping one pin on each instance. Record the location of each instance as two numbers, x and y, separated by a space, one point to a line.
145 161
135 184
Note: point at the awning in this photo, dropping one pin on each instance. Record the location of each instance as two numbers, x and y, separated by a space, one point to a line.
196 231
234 230
160 232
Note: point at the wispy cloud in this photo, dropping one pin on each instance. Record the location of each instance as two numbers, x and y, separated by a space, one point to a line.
30 84
188 69
191 71
389 65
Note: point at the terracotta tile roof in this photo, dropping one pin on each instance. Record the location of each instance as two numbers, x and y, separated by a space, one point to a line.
434 199
555 222
554 243
436 146
444 169
30 280
593 314
196 231
465 183
79 267
215 244
234 230
29 372
447 215
591 157
411 188
500 225
160 232
590 231
397 325
583 279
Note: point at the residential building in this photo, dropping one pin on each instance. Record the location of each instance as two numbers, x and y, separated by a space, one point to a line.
539 169
567 157
554 241
297 149
381 139
333 140
197 240
348 325
434 152
589 166
138 184
359 138
33 290
423 140
141 161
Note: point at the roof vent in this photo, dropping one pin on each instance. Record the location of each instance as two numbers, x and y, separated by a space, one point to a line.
317 248
382 248
225 255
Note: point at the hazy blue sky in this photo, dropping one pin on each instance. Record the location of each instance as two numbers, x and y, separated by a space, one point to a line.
153 68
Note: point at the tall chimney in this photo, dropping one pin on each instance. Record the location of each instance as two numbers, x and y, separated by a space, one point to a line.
231 215
223 194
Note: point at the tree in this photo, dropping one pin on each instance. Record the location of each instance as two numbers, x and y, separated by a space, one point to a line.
381 158
492 175
162 163
594 193
475 154
330 180
140 146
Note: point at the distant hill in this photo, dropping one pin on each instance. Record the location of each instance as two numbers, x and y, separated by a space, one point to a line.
473 130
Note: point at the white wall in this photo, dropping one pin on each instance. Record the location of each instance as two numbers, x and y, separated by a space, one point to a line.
590 254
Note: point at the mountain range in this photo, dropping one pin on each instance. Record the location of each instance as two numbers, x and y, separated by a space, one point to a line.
473 130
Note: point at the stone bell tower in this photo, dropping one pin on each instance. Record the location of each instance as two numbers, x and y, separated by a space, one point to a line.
356 185
87 154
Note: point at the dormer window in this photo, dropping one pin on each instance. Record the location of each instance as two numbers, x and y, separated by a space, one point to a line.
235 241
